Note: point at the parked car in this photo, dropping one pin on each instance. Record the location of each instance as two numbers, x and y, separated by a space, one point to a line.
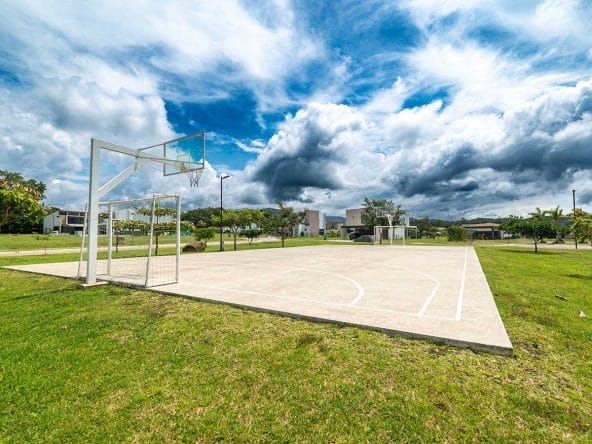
364 238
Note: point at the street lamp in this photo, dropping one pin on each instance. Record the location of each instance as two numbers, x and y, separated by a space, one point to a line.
574 217
222 177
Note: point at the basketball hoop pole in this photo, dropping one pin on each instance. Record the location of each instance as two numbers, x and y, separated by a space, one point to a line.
222 177
93 214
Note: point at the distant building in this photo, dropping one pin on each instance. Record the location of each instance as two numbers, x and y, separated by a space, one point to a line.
484 231
334 224
72 222
64 222
353 222
310 224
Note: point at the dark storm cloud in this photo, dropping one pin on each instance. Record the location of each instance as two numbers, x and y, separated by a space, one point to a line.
544 147
304 155
584 197
437 179
287 178
542 162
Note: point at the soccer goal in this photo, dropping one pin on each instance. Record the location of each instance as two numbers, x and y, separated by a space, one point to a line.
147 232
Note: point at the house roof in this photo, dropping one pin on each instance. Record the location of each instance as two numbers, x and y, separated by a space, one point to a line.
485 225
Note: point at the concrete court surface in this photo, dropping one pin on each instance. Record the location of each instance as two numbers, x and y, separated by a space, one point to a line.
424 292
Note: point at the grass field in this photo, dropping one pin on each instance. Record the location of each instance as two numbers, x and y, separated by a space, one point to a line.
23 242
41 241
116 364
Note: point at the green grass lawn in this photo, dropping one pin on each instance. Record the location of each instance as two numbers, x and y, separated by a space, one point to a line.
41 241
114 364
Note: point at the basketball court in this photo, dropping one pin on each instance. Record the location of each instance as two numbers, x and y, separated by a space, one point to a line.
424 292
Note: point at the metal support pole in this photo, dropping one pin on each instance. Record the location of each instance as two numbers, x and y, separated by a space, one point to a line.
574 215
109 237
84 229
150 241
178 251
221 241
93 213
222 177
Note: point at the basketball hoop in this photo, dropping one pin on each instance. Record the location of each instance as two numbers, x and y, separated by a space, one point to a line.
194 176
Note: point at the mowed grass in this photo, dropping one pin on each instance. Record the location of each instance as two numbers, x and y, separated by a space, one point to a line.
113 364
19 242
24 242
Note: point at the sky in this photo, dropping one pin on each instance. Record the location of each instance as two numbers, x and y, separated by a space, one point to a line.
450 108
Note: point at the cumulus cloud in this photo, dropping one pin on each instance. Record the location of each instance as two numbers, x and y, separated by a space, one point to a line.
308 151
437 162
455 124
77 73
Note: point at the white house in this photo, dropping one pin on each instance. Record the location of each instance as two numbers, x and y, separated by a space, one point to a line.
64 222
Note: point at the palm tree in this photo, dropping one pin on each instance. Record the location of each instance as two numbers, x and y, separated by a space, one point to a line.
556 214
538 214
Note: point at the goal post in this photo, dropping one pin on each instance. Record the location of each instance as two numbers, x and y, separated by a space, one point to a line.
135 226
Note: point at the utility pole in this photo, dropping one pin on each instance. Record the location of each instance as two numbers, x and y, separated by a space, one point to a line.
574 215
222 177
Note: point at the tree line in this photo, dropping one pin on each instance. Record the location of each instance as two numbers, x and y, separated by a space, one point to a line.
250 223
22 209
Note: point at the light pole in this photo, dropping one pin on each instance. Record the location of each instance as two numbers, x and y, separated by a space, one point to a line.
574 216
222 177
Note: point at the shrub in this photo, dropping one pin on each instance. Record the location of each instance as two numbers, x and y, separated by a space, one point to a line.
203 234
456 233
251 234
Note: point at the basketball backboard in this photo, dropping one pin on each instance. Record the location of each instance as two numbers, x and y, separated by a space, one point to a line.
181 155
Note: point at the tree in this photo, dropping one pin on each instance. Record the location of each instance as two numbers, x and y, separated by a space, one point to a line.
143 228
205 233
582 227
283 221
233 219
201 217
251 234
159 229
538 214
556 215
20 200
456 233
254 216
536 228
372 209
370 219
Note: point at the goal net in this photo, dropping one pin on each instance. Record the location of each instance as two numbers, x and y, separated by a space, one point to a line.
139 241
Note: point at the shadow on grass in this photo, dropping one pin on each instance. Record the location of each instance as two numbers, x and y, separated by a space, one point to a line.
60 291
586 277
531 252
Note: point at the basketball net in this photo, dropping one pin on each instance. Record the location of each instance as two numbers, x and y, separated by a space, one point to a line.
194 176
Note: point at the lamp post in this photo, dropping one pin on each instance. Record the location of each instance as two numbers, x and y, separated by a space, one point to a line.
222 177
574 216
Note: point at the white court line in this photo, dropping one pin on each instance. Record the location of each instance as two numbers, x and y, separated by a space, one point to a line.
428 301
430 297
333 304
361 291
461 292
259 276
